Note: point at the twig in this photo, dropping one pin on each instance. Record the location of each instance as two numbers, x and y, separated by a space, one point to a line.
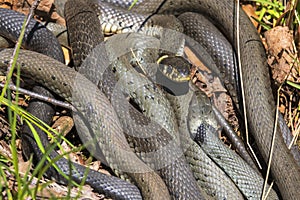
296 135
264 195
138 62
39 96
269 190
242 84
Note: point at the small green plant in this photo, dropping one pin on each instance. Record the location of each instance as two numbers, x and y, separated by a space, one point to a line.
295 85
133 3
272 13
269 12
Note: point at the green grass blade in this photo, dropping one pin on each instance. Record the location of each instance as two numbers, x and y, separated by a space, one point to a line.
295 85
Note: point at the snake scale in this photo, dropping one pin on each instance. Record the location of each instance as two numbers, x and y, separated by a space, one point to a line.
288 182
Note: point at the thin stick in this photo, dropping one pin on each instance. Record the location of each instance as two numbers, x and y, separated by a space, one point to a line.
269 190
138 62
40 97
264 196
296 135
242 84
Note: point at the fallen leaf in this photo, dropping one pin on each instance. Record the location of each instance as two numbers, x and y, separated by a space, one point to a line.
250 11
278 39
63 124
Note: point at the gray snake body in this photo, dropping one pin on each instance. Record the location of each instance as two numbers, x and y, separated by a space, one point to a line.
249 182
288 182
259 98
108 185
91 70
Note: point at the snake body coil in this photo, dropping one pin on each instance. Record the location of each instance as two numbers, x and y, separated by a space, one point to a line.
109 132
258 96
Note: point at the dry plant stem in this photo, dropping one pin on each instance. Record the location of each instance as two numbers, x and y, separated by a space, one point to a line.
295 129
137 60
264 194
269 190
242 85
40 97
292 13
296 135
291 121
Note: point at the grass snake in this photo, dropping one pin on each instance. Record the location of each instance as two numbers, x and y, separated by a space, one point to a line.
248 39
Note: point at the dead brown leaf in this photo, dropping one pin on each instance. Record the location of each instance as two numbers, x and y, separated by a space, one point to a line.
250 11
45 5
281 54
63 124
6 4
278 39
209 83
45 10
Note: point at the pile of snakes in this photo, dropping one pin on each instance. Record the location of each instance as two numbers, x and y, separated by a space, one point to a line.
158 135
